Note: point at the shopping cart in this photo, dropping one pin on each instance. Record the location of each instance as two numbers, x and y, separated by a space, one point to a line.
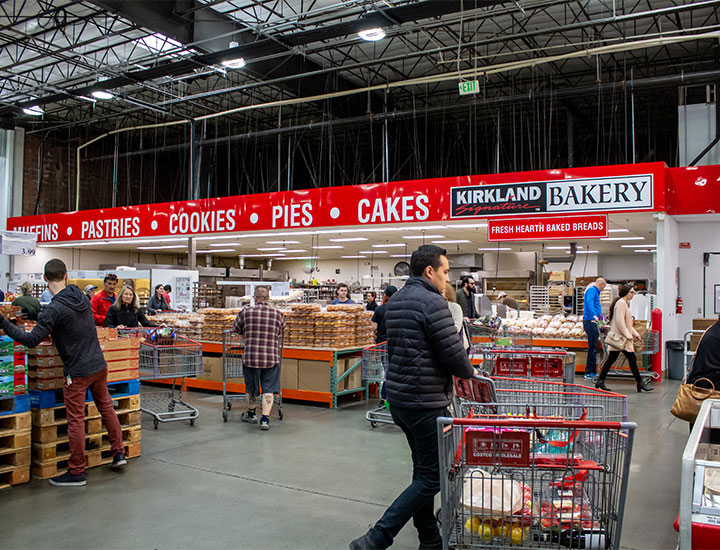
167 357
558 365
527 397
374 367
533 483
483 337
233 348
699 518
650 346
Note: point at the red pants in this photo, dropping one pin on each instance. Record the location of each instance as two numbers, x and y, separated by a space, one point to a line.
74 397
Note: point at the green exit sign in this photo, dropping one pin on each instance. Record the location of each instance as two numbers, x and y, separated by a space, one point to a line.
468 87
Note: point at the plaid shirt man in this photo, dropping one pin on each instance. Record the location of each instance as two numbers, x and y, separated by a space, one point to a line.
262 326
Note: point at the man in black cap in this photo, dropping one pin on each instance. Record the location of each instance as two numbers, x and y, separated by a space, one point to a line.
379 315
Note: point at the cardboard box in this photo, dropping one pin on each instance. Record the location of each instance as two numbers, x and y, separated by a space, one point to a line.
354 379
694 341
289 374
115 376
123 364
46 384
45 372
313 375
703 324
559 276
104 332
44 349
114 344
120 354
212 369
580 359
45 361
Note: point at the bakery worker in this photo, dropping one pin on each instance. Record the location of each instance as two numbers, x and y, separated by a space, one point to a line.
342 295
505 300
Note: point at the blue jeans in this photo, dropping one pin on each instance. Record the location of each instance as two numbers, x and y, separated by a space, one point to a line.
593 333
417 501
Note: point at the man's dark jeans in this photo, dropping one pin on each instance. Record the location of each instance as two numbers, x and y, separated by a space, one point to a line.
593 333
417 501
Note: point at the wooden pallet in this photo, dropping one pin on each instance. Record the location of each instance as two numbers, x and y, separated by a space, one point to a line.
13 475
58 415
99 457
58 450
59 432
12 423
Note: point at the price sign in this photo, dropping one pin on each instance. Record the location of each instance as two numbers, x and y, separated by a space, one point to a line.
16 243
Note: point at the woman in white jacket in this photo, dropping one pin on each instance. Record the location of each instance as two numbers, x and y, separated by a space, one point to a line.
621 322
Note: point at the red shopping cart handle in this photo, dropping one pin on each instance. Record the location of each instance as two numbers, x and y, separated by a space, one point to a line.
526 352
540 423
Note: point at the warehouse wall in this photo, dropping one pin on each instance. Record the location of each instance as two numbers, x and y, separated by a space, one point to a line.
703 238
636 266
85 259
350 270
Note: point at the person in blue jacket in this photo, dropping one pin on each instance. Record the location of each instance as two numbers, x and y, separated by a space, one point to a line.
591 313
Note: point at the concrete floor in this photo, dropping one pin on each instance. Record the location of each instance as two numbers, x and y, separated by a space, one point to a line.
315 480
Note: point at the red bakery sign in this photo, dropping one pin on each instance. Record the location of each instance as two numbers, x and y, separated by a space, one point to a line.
548 228
566 192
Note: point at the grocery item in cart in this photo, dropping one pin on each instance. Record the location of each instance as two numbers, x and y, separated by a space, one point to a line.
487 495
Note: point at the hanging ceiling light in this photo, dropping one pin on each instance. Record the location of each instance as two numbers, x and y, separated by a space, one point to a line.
102 94
33 111
372 35
237 63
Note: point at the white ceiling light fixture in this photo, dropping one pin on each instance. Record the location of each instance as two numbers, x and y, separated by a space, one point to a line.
225 244
401 255
623 239
423 236
282 242
372 35
493 249
451 242
216 251
236 63
272 249
348 240
585 252
618 230
352 257
299 258
35 110
638 246
102 94
388 245
161 247
373 252
329 247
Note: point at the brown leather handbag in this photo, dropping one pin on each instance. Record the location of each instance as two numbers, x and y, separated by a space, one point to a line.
690 398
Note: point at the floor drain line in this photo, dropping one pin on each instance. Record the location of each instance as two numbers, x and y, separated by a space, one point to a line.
270 483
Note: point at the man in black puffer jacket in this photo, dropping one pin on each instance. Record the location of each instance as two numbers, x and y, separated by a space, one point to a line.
69 320
424 352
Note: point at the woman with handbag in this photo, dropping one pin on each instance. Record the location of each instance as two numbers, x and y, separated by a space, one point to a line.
620 339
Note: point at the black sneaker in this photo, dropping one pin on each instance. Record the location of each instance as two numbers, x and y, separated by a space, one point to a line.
118 460
249 417
69 480
264 423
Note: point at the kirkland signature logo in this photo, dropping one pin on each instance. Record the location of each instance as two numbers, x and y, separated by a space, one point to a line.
576 195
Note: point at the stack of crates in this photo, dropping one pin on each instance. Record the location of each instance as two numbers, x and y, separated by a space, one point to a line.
50 443
14 410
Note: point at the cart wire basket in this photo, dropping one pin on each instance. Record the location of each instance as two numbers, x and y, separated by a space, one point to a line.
533 483
167 357
522 396
232 364
540 364
374 367
646 348
483 337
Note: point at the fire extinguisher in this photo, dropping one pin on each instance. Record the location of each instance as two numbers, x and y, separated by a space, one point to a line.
678 305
